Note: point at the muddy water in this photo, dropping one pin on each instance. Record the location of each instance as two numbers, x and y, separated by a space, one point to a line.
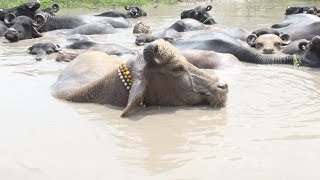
268 130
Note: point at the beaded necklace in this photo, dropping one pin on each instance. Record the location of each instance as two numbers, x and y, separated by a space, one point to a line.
125 76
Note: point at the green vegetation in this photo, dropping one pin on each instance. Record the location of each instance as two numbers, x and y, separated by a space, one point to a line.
83 3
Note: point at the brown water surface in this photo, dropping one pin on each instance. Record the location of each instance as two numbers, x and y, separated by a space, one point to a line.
270 128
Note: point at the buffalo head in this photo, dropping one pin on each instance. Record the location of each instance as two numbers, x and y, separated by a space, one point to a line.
28 9
168 79
268 40
43 49
310 55
135 11
22 27
199 13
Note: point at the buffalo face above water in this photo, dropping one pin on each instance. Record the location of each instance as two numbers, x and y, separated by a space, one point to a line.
22 27
199 13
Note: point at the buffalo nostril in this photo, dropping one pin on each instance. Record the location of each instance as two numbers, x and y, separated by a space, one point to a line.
268 51
38 58
223 85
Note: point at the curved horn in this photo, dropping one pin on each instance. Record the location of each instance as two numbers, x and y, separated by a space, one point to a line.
251 39
39 20
9 18
209 7
286 39
126 7
139 9
58 48
55 8
303 45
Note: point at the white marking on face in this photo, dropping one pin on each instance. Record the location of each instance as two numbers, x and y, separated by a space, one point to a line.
157 60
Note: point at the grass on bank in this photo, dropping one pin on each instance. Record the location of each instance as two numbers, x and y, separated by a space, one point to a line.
83 3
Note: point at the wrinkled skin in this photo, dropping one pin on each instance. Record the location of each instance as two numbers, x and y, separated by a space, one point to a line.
3 28
84 42
132 12
161 77
211 60
40 50
268 41
199 13
300 26
300 10
223 43
27 9
22 27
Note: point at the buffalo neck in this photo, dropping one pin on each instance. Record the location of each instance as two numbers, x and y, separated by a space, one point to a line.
111 90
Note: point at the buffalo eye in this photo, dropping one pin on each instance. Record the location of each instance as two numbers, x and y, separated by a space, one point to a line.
49 51
178 69
259 45
277 44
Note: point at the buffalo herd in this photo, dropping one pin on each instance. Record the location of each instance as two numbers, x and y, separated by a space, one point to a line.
168 71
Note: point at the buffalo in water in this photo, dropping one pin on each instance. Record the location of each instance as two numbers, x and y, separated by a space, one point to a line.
161 76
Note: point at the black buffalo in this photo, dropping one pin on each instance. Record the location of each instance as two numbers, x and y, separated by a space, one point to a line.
27 9
22 27
40 50
199 13
132 12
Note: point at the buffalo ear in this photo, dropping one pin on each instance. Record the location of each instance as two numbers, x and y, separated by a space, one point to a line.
251 39
136 95
139 86
29 49
209 7
55 8
303 45
126 8
286 39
